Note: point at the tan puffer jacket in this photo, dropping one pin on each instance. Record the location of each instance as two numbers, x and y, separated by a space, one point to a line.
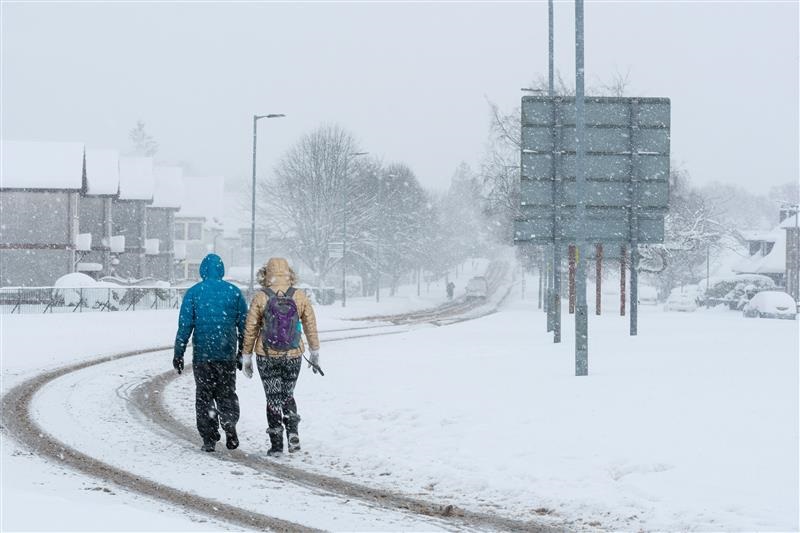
277 276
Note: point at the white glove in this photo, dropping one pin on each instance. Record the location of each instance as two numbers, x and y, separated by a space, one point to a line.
313 361
247 365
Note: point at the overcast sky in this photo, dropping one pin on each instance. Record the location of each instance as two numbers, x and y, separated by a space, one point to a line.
411 81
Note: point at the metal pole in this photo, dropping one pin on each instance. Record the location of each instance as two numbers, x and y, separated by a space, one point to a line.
571 278
599 275
708 265
551 45
539 293
622 268
581 310
556 293
634 221
253 213
794 244
634 289
549 289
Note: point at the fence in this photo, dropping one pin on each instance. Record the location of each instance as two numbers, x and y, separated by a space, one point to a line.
87 299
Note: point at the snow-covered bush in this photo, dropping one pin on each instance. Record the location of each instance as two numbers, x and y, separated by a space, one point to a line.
77 289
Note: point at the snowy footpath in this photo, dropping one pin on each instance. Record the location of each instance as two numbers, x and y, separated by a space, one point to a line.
692 425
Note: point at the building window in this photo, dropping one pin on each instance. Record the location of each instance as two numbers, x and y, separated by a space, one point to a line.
180 231
194 231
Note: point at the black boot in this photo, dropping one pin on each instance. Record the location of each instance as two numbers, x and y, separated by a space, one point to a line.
231 439
276 441
291 422
209 445
294 442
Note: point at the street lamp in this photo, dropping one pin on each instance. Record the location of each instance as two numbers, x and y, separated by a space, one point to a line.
378 234
256 118
344 225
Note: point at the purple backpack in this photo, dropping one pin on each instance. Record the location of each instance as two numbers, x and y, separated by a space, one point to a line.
282 330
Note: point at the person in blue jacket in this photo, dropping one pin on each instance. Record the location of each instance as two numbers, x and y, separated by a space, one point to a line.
213 313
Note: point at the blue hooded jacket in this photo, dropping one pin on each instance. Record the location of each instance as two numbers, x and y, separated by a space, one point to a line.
215 311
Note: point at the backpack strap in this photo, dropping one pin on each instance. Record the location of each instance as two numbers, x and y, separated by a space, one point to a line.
272 294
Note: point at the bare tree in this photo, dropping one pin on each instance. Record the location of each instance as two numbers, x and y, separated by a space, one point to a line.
303 205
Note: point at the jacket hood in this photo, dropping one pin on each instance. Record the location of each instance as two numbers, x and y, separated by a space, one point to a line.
212 267
276 273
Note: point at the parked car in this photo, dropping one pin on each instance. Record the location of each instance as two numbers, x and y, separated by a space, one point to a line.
771 304
647 295
477 287
682 299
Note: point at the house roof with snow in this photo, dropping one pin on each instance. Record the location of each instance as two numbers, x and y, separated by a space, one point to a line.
102 172
168 188
772 263
136 181
760 235
41 165
203 197
789 222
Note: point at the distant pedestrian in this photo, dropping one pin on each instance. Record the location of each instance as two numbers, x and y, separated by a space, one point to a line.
279 315
213 313
451 287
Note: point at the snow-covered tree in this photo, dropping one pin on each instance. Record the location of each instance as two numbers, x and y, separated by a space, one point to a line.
143 143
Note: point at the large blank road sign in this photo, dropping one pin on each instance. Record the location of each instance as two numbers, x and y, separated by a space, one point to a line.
626 167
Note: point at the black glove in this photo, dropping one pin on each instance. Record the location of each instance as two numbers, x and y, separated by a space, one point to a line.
177 363
239 361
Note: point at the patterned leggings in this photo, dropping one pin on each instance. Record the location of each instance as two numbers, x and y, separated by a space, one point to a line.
279 376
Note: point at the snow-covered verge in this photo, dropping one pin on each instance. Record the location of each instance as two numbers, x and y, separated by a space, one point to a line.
692 425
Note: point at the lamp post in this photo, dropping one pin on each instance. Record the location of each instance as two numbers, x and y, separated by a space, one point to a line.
378 240
344 224
378 235
256 118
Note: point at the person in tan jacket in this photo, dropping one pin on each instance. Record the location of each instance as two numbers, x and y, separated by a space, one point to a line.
272 331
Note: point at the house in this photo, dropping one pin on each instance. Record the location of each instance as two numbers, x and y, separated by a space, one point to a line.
198 228
95 237
769 254
40 186
791 230
129 220
160 221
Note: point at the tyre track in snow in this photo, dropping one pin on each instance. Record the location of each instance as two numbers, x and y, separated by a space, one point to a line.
452 312
148 398
18 421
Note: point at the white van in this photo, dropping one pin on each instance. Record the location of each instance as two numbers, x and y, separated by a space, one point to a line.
477 287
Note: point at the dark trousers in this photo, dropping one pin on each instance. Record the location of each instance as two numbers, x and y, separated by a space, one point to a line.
279 376
216 402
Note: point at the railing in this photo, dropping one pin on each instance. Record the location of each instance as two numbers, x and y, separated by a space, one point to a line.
21 300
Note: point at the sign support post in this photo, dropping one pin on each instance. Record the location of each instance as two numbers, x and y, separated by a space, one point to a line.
581 308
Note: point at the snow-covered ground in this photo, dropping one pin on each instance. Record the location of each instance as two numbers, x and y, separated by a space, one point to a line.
28 482
692 425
